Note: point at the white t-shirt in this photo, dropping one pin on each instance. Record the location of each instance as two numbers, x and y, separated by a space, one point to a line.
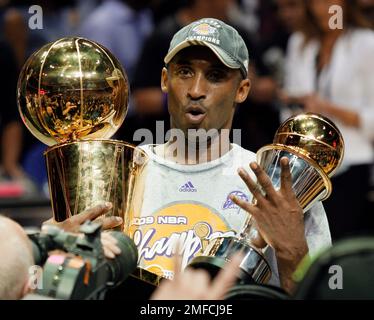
347 82
190 202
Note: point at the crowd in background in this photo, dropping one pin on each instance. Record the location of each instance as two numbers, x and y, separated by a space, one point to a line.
297 63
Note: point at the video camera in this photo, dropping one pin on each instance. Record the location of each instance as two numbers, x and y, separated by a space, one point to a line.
79 269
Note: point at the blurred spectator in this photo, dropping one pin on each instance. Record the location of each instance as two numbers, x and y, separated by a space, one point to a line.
121 26
244 13
330 71
17 258
10 126
15 139
367 9
60 19
290 17
164 8
15 32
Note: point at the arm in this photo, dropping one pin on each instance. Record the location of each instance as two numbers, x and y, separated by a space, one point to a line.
314 103
12 146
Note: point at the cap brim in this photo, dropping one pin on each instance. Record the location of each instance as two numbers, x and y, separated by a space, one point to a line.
221 54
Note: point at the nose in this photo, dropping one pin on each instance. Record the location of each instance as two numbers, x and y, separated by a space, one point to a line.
197 88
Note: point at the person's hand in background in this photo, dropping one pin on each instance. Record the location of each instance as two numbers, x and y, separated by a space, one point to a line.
73 223
196 284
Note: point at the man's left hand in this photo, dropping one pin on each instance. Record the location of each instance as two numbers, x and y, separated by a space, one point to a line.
278 215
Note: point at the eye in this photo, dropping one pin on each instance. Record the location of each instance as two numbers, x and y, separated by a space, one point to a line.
183 72
217 75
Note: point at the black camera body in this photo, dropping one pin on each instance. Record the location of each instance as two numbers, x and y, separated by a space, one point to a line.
74 265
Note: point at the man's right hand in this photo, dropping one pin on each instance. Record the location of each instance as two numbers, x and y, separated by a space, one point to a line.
73 224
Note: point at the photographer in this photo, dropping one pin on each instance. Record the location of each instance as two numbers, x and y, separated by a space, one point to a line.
16 247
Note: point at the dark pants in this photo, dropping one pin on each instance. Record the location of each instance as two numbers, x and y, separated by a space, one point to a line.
348 208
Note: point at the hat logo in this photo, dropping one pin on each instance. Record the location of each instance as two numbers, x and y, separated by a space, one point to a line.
204 29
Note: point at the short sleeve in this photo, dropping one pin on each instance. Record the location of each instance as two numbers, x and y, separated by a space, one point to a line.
317 231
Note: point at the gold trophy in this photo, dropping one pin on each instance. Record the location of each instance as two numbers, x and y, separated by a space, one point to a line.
314 147
73 96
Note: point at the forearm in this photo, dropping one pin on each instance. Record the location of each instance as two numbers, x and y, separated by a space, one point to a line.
148 101
348 117
11 146
288 261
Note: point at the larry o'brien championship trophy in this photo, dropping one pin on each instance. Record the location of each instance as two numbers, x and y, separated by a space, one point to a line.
73 96
315 149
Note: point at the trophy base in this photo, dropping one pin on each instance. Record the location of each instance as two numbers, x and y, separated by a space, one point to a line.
254 268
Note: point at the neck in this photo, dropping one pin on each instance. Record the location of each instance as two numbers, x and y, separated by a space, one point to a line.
330 37
193 151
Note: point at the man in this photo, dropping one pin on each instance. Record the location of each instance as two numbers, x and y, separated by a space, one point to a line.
16 252
17 255
192 192
150 102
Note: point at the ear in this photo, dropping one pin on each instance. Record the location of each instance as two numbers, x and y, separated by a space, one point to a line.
243 90
25 289
164 80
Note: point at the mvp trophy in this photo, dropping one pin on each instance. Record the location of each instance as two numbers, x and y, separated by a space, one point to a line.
314 147
73 96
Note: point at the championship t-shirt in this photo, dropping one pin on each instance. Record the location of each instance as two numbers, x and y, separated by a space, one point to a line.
190 205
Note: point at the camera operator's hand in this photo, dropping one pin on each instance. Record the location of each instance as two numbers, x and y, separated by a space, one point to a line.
73 224
195 284
279 218
111 250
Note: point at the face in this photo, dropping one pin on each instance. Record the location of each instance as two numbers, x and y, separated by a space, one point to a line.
320 10
202 92
292 13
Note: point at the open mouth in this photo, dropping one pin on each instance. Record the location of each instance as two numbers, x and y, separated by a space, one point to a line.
195 115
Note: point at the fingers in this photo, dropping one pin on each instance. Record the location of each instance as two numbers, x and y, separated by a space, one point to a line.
92 213
177 260
109 245
264 180
111 222
49 221
286 177
226 278
245 205
252 186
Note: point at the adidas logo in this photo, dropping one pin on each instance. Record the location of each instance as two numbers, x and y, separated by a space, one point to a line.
187 187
